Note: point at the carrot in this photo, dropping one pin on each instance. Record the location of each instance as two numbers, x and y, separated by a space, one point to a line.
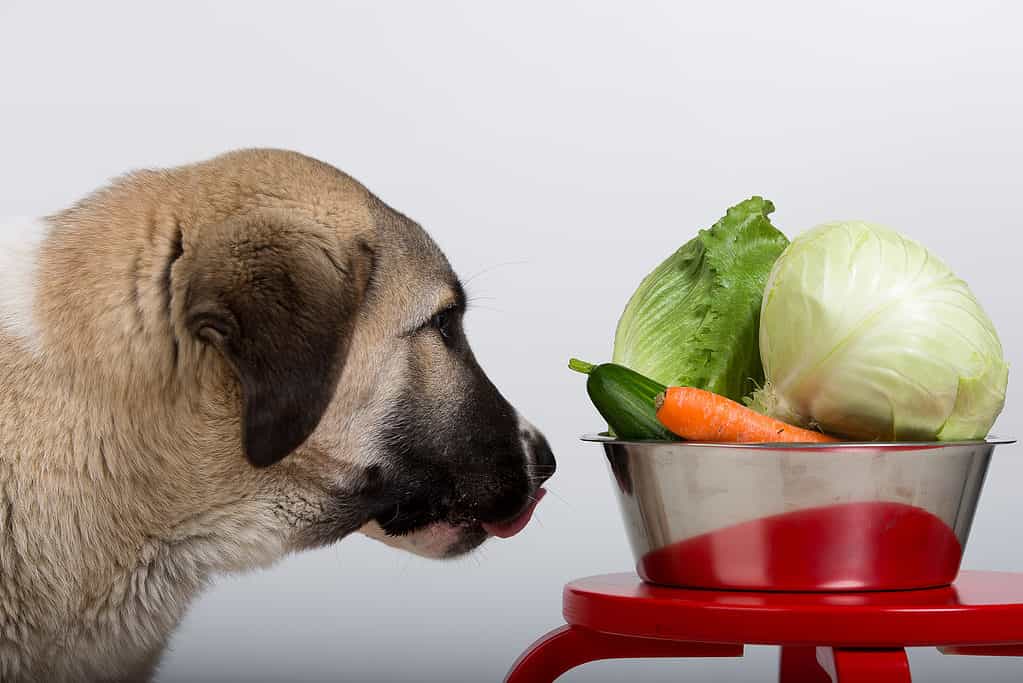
699 415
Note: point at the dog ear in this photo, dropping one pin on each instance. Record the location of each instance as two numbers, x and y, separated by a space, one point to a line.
279 302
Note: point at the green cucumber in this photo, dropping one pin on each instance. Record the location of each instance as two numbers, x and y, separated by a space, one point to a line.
625 399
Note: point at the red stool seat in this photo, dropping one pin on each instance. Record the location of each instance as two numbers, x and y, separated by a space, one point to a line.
846 637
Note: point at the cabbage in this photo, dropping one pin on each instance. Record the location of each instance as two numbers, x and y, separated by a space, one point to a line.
693 320
867 335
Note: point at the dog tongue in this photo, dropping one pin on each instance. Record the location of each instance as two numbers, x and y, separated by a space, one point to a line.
512 527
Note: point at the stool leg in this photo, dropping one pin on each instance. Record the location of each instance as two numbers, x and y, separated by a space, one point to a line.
571 646
864 666
799 665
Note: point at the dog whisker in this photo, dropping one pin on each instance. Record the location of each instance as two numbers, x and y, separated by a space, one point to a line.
482 555
559 497
489 308
403 568
490 269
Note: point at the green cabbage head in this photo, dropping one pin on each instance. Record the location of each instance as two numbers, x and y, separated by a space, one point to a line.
867 335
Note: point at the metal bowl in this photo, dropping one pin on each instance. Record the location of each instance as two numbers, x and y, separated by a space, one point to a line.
798 517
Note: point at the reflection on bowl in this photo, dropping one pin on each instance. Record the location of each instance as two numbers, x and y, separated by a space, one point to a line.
798 517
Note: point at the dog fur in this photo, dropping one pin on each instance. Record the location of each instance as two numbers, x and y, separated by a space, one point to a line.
205 368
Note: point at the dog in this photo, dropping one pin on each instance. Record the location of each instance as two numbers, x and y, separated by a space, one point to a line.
208 367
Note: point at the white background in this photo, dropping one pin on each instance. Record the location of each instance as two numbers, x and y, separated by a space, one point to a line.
560 151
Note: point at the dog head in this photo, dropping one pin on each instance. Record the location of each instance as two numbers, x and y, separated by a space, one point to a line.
324 332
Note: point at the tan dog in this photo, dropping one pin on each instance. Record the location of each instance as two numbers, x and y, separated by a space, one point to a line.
205 368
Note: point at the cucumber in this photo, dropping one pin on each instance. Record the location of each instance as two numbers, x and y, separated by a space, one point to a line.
625 399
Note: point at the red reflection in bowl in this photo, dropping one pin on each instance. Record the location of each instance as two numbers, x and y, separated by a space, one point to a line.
851 546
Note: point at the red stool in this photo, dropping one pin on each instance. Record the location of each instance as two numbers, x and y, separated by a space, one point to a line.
847 637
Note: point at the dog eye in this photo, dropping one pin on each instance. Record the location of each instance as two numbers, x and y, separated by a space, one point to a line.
441 321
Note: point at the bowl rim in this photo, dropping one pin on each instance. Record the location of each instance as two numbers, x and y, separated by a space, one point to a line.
990 440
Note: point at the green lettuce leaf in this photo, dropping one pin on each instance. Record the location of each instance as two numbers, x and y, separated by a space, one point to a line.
694 320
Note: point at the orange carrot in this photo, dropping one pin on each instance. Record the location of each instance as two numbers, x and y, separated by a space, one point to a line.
698 415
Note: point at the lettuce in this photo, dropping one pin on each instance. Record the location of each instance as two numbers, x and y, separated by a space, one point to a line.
694 320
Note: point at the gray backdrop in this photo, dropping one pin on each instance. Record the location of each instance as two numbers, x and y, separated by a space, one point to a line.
557 152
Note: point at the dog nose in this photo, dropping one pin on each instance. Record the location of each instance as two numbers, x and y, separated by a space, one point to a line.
542 457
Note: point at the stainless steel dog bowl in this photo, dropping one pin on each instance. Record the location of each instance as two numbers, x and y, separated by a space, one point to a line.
798 517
